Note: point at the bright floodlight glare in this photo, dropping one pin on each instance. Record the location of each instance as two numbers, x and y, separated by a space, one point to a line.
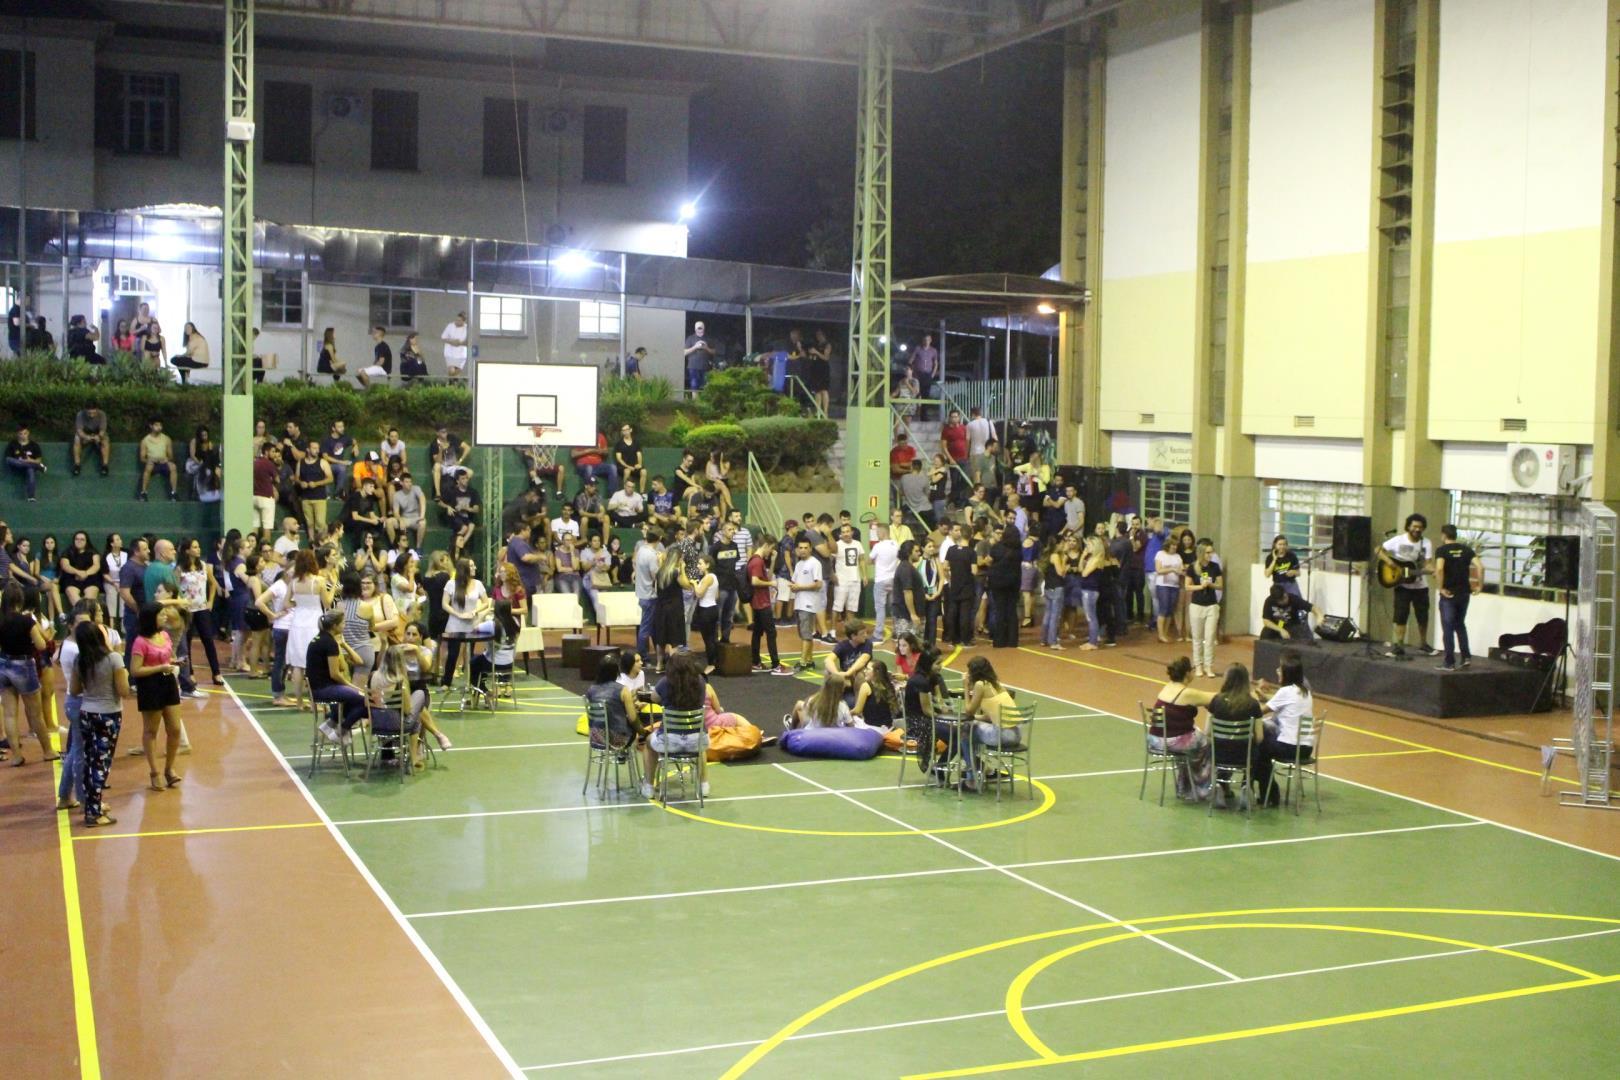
573 262
688 210
1045 308
902 346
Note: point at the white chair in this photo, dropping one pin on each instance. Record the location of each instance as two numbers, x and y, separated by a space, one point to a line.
617 610
555 611
531 639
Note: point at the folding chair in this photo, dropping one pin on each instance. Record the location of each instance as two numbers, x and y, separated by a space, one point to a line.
1311 729
393 737
605 753
1019 719
319 749
1230 734
1160 758
680 722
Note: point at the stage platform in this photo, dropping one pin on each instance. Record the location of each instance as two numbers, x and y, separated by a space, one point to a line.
1485 688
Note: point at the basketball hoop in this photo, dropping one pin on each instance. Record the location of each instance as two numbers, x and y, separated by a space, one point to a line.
542 430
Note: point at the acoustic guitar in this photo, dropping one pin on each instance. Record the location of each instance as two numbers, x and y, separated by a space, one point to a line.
1393 572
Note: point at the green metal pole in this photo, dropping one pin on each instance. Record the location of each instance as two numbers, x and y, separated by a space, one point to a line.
867 434
236 268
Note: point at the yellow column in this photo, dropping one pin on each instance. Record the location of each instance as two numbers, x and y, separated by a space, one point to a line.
1606 429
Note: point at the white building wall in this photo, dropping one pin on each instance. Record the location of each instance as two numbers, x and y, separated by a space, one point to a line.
59 162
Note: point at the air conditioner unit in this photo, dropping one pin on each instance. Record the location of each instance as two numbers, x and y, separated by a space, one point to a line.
1540 468
345 107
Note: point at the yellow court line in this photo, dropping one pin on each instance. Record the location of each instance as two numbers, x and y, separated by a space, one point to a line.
1272 1029
1048 800
1020 985
1374 753
194 832
1334 723
84 1012
755 1055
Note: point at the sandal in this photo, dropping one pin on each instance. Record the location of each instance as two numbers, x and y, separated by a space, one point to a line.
171 779
154 782
101 822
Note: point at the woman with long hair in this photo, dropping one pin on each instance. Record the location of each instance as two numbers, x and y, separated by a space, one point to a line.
255 624
1236 701
1282 565
157 693
669 606
100 683
464 603
113 559
195 355
197 589
932 571
1054 577
877 703
367 559
21 640
44 568
239 601
1288 703
1029 571
80 568
122 339
1187 548
328 362
417 654
1178 732
706 616
308 593
403 587
1091 581
984 700
395 707
824 709
357 623
435 586
502 651
683 688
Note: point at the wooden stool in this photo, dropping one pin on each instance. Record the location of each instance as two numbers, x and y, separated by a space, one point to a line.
590 659
735 659
573 649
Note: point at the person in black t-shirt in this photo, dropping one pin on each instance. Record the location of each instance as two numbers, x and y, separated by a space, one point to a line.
724 554
908 602
81 341
362 513
1283 566
1461 574
23 455
1285 615
961 597
382 359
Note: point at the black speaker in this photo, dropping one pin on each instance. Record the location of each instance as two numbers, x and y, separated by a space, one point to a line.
1352 538
1337 627
1563 562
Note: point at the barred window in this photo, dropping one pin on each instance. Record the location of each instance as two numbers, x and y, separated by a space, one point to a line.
1507 532
598 319
282 299
1303 511
1167 497
393 309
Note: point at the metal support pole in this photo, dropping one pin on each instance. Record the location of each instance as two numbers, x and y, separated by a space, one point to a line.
494 466
236 267
309 322
748 330
61 327
867 434
624 313
22 190
942 357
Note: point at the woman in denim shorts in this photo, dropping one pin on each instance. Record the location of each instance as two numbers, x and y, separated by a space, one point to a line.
20 640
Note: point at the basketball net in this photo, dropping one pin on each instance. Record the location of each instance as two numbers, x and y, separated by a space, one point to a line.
542 430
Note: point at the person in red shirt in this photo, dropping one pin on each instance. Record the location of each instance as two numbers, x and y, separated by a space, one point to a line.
593 464
901 457
953 435
761 585
266 474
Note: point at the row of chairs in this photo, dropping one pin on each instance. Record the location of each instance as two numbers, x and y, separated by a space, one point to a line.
1165 762
374 744
605 753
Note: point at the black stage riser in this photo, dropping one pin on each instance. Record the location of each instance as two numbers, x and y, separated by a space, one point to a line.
1485 688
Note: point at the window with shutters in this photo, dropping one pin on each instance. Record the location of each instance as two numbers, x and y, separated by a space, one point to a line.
393 129
1507 533
1303 511
285 123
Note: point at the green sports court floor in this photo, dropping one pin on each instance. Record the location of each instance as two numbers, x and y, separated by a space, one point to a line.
813 920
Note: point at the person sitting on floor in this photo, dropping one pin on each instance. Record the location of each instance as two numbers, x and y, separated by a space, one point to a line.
1179 733
824 709
877 703
1285 615
852 654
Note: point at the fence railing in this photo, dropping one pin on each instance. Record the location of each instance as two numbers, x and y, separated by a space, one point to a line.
1033 398
793 381
763 509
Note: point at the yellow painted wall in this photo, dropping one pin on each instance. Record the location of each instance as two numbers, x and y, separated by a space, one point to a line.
1305 331
1514 334
1147 343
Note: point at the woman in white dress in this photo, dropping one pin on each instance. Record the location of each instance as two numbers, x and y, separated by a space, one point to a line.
113 559
467 604
307 596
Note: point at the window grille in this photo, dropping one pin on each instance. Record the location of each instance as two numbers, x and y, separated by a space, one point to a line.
501 315
1506 531
282 300
393 309
1303 511
1167 497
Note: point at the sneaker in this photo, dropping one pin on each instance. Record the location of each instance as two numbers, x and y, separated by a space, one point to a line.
1466 661
781 669
105 471
703 789
758 669
444 741
1426 649
801 666
173 497
828 638
141 496
198 693
646 790
329 732
77 470
1444 667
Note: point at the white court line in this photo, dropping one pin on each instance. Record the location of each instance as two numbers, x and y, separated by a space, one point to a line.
804 1036
460 749
1075 861
639 804
966 854
483 1029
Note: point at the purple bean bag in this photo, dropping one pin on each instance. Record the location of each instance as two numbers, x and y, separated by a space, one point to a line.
846 743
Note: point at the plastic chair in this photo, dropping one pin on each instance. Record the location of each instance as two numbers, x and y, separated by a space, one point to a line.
999 759
1161 758
1311 729
680 722
605 753
1232 732
319 749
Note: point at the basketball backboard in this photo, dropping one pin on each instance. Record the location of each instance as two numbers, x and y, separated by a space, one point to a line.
517 404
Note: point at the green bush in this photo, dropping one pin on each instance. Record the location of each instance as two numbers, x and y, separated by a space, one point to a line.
416 410
789 442
680 428
706 439
741 392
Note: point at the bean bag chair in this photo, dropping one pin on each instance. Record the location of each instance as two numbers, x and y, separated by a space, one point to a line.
847 743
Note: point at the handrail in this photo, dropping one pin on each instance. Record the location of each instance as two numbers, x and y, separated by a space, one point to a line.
763 508
808 394
898 415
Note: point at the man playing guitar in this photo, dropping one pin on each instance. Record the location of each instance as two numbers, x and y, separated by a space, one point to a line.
1406 560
